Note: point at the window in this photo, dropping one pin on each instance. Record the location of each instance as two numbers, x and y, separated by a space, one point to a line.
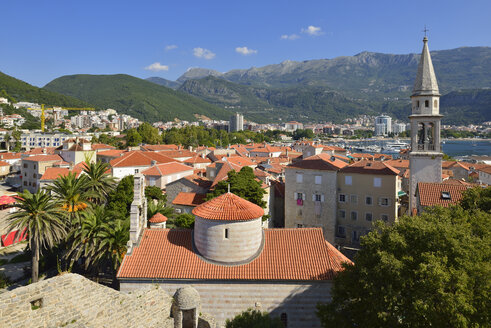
284 319
384 201
377 182
299 225
348 180
446 195
226 233
341 232
299 212
354 199
368 216
25 183
354 215
417 104
25 165
427 103
299 197
342 198
137 170
34 175
355 236
368 200
318 179
318 198
299 177
342 214
384 217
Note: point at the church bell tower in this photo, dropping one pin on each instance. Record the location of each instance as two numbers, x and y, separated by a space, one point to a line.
425 158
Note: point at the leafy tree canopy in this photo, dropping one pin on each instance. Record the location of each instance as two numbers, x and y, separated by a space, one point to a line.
243 184
300 134
253 318
149 134
154 192
430 270
185 221
133 138
119 201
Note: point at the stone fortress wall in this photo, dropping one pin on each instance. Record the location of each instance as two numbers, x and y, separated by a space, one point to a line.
70 300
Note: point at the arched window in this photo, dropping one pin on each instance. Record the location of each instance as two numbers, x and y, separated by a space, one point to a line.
284 319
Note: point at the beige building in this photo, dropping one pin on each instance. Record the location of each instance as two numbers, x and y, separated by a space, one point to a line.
310 193
33 168
367 191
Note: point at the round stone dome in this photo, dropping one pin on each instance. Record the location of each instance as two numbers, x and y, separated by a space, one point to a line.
228 207
187 298
158 218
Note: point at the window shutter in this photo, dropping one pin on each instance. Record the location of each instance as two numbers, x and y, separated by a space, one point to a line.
380 200
295 196
313 197
303 196
322 198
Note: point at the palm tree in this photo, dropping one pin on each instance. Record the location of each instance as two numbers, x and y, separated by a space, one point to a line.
100 183
85 241
158 207
43 218
113 239
72 193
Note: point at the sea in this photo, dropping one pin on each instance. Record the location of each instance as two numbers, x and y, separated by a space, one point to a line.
452 147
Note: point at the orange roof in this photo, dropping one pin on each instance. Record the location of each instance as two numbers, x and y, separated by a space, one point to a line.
335 148
43 158
140 158
10 155
370 167
222 174
239 160
228 207
288 254
432 194
53 173
2 163
189 199
158 218
485 169
319 162
166 169
159 147
199 181
41 150
197 159
178 153
101 146
398 163
111 153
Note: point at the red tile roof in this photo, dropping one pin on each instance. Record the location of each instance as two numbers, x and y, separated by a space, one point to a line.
199 181
228 207
101 146
197 159
319 162
288 254
398 163
2 163
53 173
430 194
158 218
111 153
178 153
335 148
7 156
370 167
222 174
159 147
140 158
167 169
41 150
189 199
43 158
239 160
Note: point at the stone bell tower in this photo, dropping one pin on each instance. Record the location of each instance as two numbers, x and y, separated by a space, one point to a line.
425 158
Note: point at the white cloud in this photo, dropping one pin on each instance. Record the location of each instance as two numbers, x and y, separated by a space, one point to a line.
245 51
289 37
170 47
156 67
312 30
203 53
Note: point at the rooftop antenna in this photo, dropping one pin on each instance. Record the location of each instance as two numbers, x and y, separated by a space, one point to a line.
425 30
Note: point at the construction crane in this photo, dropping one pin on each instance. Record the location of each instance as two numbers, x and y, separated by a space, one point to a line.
42 109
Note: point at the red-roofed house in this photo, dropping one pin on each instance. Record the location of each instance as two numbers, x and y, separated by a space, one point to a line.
438 194
190 184
160 175
136 161
485 175
185 202
198 161
228 250
267 151
33 168
4 168
310 193
53 173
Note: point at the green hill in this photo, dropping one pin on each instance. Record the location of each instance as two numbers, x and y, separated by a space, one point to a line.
136 97
22 91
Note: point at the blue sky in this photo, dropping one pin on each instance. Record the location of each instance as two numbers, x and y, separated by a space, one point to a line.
42 40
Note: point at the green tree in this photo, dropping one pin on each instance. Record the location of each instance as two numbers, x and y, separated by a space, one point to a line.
431 270
185 221
477 198
44 219
120 199
149 134
243 184
113 239
158 207
154 192
73 195
253 318
301 134
133 138
99 182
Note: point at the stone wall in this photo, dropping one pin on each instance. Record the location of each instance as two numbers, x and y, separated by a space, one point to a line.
70 300
225 299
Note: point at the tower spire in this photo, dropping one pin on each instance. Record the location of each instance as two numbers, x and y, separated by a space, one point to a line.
425 83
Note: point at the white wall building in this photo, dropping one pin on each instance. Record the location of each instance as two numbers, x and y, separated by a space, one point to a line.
383 125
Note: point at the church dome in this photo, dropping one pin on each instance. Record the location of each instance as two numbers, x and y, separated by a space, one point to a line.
158 218
228 207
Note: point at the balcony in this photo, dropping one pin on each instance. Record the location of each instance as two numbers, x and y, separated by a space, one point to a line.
426 147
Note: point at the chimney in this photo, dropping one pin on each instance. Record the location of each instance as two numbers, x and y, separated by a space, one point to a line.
44 150
153 162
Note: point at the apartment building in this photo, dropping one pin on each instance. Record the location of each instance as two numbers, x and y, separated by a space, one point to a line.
33 168
310 193
367 191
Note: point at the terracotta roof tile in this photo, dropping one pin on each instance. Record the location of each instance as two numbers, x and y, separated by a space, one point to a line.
228 207
166 169
7 156
432 194
398 163
111 153
239 160
199 181
2 163
319 162
197 159
41 150
158 218
43 158
101 146
159 147
370 167
288 254
189 199
140 158
53 173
